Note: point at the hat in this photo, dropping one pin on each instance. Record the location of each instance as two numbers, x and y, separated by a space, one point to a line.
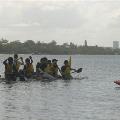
54 60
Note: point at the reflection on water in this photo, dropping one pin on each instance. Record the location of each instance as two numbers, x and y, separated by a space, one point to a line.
95 98
117 88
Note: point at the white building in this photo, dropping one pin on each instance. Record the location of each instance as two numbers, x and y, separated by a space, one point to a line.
115 44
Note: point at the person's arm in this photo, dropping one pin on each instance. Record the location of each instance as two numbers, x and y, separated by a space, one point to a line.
31 61
38 69
24 69
5 62
72 69
22 62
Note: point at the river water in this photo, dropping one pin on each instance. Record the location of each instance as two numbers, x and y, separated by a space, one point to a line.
95 98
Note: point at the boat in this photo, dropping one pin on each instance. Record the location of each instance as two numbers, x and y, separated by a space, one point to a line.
43 76
41 79
117 82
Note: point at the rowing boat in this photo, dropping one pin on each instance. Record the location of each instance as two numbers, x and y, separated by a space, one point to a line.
43 80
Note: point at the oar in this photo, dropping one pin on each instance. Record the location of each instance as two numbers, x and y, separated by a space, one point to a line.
78 70
60 71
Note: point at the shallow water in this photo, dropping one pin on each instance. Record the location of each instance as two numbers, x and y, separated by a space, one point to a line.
95 98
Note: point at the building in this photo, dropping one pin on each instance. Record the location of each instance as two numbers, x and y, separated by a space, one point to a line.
85 44
115 44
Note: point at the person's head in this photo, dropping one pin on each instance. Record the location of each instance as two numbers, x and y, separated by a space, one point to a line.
16 56
41 60
10 60
27 60
49 61
44 60
66 62
54 61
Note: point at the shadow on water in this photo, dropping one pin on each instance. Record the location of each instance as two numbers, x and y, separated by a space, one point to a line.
117 88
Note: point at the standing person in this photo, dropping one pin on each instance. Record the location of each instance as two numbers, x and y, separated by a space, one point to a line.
66 70
28 67
9 69
17 63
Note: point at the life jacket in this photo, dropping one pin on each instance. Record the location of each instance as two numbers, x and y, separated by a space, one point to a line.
29 69
8 68
17 66
66 71
54 70
48 69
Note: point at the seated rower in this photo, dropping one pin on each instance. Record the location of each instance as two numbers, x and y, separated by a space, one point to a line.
28 67
49 67
9 69
54 68
42 65
66 70
42 69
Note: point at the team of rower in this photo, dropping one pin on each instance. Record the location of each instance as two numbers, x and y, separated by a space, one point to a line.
44 69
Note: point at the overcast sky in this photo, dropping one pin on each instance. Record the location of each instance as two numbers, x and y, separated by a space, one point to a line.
97 21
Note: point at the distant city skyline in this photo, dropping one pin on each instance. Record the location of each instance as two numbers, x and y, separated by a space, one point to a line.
96 21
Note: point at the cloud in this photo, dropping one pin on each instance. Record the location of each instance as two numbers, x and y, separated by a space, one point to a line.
49 16
25 25
94 20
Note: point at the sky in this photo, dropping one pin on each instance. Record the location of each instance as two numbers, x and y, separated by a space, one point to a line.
97 21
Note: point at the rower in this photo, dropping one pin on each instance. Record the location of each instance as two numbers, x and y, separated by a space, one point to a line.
65 70
49 67
9 69
42 65
28 67
54 68
17 63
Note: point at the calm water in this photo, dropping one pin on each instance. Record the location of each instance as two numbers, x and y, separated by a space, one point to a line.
95 98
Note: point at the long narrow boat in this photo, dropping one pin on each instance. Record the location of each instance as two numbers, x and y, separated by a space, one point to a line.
43 80
43 77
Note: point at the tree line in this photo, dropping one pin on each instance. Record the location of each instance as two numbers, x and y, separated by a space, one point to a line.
29 46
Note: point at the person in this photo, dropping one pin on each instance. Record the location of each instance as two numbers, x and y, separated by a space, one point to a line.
17 63
9 69
66 70
42 65
49 67
42 69
54 68
28 67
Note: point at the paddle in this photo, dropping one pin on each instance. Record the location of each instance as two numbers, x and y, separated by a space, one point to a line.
60 71
78 70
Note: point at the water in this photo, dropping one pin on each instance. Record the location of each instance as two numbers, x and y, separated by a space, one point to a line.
95 98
